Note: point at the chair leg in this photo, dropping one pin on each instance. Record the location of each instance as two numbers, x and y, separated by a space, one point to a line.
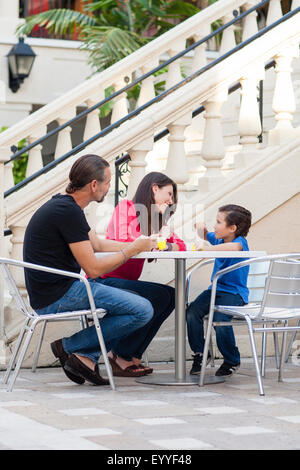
276 347
282 357
205 352
104 352
38 349
12 360
289 348
146 358
211 347
254 355
263 354
21 357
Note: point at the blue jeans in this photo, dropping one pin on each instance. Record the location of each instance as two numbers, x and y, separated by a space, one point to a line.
198 309
126 312
162 298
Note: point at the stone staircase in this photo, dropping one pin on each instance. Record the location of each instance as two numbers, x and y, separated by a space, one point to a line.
215 158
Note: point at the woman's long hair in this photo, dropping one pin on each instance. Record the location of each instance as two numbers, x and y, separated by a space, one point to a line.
150 219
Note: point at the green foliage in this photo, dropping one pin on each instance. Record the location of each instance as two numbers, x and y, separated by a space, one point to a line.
19 165
112 29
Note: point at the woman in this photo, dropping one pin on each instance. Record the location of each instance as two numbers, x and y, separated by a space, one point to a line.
151 207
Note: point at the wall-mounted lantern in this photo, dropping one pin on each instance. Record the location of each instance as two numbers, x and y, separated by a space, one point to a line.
20 62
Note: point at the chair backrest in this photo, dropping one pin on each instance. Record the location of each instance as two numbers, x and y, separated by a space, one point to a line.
283 284
256 280
14 291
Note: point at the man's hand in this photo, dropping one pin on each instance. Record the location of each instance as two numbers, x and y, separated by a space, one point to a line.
144 243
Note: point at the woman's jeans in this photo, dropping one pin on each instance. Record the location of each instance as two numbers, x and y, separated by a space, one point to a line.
162 298
198 309
126 312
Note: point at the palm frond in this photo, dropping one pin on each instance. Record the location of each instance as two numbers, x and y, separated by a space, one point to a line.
58 21
107 45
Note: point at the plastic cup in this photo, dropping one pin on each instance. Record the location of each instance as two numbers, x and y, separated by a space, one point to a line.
161 243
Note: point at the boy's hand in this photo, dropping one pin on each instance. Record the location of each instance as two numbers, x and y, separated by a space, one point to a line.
201 229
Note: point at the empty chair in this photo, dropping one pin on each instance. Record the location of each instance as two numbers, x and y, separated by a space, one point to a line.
32 319
280 303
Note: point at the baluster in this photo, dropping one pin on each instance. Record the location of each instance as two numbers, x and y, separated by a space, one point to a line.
147 92
213 149
120 102
250 26
177 166
8 173
8 176
35 160
249 118
274 12
284 104
4 156
64 141
174 71
17 239
194 132
138 164
92 125
228 38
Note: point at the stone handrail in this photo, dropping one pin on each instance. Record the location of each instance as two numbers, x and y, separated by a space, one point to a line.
143 60
210 89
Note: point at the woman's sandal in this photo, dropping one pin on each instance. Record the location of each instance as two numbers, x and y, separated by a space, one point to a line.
147 369
130 371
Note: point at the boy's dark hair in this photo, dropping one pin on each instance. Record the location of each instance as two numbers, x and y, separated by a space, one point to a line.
239 216
86 169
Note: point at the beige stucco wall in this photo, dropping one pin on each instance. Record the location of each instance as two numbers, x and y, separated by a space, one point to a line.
279 231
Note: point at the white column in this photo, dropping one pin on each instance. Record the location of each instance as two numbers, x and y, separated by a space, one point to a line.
8 174
147 91
174 71
250 22
64 141
213 149
228 38
177 167
138 164
249 124
9 17
3 158
120 102
35 161
295 4
194 132
274 11
92 125
284 104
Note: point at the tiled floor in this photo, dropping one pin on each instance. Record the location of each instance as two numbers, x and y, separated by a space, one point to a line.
45 411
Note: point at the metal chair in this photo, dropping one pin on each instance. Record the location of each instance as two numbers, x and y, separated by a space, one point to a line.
255 283
280 303
32 319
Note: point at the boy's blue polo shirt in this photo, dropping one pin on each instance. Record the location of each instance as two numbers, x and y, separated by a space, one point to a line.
234 282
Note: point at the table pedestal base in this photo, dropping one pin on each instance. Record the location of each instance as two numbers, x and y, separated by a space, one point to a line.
170 379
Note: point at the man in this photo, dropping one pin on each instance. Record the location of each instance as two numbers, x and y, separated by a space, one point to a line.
59 236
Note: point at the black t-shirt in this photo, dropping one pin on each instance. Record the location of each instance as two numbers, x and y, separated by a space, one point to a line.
54 225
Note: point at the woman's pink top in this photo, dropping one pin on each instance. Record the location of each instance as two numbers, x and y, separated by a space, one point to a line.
124 227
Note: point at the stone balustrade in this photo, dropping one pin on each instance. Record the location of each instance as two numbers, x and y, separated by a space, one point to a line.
92 91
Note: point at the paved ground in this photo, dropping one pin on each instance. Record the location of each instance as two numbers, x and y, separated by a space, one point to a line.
45 411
